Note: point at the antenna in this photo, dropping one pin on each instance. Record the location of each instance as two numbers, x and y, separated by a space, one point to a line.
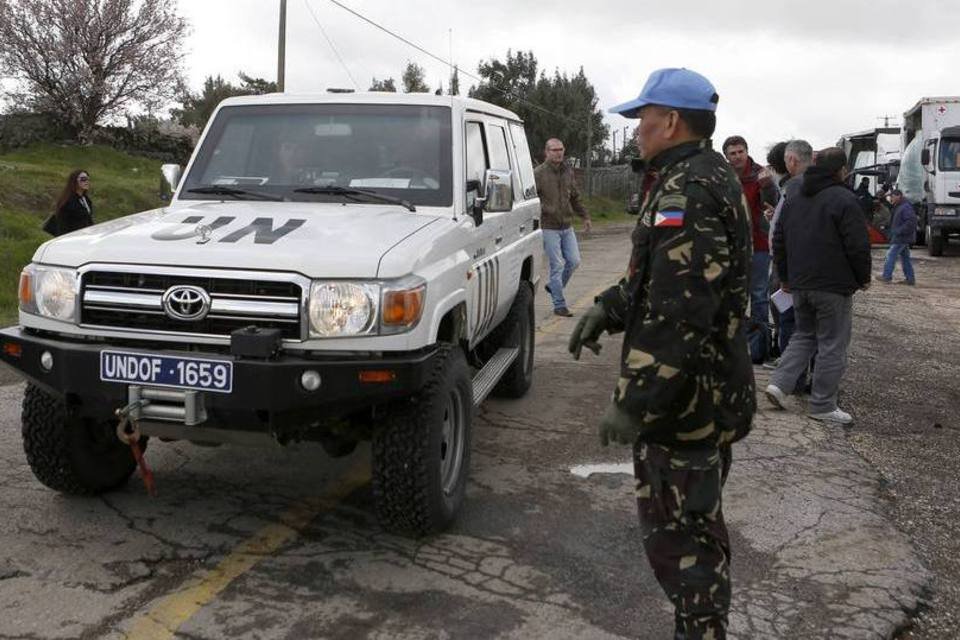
886 120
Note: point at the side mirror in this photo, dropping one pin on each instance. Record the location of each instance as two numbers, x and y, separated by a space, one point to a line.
925 157
499 191
170 179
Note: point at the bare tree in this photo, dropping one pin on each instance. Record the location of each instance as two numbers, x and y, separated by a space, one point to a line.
84 60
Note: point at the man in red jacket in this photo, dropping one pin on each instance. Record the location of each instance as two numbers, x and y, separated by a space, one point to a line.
761 192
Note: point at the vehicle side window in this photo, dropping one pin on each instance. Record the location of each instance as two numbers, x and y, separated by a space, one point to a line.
524 160
476 151
499 156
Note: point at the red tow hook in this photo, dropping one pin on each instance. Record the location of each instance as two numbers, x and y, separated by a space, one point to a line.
129 434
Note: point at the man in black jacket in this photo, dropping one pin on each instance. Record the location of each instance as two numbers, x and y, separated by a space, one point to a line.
822 253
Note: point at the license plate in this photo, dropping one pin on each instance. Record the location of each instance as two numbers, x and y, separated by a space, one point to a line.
166 371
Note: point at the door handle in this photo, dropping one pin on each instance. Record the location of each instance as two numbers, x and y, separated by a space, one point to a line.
498 240
523 228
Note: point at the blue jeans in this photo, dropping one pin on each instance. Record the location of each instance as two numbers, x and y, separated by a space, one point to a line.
903 252
563 254
759 303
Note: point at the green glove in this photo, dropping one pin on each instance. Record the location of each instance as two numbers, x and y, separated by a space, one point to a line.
618 426
588 330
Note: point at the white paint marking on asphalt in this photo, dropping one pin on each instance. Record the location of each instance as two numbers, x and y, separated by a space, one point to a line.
587 470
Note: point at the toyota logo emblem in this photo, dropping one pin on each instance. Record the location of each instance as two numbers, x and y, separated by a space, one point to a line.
184 302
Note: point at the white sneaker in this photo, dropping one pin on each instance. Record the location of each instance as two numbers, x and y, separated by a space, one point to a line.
776 397
838 416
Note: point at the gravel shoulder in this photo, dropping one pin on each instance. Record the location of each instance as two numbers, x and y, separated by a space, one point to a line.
902 388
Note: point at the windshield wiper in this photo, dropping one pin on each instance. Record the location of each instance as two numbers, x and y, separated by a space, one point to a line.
352 193
221 190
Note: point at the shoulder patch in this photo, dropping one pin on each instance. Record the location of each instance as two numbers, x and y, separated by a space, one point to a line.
672 217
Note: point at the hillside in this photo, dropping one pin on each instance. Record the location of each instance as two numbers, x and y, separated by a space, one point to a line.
31 179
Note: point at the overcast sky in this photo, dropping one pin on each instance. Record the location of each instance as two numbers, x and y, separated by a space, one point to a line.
782 68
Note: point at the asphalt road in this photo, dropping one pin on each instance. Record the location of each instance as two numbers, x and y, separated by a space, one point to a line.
282 543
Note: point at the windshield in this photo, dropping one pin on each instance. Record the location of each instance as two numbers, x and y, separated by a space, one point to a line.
402 151
949 155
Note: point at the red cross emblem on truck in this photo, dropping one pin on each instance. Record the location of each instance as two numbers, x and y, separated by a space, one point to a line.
941 109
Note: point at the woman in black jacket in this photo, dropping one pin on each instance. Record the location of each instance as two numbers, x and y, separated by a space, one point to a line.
74 207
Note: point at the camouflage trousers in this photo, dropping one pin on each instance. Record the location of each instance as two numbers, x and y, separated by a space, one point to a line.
681 518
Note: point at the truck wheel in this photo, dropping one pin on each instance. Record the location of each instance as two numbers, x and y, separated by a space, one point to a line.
72 455
519 332
935 242
421 456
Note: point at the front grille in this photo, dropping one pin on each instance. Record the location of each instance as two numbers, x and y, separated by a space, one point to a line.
133 301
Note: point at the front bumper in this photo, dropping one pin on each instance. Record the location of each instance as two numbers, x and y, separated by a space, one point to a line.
266 393
949 223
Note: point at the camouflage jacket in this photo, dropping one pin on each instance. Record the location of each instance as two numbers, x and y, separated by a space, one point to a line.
685 372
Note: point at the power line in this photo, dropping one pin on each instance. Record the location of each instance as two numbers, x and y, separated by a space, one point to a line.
450 64
330 42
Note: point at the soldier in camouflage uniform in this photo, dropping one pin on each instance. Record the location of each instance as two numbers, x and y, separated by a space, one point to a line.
686 388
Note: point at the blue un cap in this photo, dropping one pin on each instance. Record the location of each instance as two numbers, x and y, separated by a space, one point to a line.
677 88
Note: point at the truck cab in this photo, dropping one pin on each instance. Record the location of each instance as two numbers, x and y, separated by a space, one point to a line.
931 143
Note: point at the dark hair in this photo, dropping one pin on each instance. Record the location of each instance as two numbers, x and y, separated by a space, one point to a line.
701 122
70 189
734 141
775 157
832 159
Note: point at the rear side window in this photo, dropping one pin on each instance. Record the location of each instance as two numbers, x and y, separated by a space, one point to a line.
499 156
524 160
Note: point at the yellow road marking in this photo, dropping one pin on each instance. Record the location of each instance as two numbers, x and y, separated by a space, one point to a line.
163 620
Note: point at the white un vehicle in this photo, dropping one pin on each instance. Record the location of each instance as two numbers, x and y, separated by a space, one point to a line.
333 268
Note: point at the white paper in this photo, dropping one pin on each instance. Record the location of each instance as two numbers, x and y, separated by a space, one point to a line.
781 300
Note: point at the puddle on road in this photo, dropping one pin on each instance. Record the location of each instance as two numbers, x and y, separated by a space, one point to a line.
587 470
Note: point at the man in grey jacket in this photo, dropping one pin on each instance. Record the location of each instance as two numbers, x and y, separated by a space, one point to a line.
822 253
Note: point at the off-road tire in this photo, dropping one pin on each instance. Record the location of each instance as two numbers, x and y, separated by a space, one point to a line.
72 455
935 242
408 451
517 330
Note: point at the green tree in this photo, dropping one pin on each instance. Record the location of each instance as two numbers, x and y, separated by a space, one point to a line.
558 106
196 109
413 81
383 85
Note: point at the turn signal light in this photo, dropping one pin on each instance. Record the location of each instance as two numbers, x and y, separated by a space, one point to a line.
403 308
378 376
26 289
12 349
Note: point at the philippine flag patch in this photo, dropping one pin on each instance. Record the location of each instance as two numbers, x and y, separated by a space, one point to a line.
672 218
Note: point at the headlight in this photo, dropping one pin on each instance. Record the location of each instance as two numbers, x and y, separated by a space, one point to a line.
49 292
944 211
339 309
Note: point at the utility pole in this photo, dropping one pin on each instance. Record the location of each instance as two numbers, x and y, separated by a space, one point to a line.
623 142
282 46
614 144
886 120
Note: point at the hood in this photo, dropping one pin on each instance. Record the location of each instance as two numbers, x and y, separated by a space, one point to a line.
315 239
816 179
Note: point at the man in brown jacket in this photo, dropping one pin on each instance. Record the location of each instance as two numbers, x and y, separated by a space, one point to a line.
559 202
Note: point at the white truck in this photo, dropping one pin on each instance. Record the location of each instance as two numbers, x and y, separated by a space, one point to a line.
334 268
930 167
